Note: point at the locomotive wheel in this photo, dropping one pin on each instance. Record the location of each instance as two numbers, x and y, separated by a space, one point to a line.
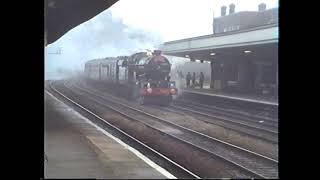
169 100
141 100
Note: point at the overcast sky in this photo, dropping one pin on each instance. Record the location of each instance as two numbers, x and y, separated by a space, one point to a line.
176 19
134 25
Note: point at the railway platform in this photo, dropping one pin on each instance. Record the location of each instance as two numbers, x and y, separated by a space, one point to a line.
77 148
235 96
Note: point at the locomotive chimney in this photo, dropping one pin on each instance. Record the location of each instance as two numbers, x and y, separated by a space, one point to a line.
231 8
262 7
157 52
223 10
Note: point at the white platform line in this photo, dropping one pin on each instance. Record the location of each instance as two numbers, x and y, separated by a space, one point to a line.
232 97
134 151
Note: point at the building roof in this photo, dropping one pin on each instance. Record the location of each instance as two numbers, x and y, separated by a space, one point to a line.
245 20
262 40
102 60
63 15
267 11
224 34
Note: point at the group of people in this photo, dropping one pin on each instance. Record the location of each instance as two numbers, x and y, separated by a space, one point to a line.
193 79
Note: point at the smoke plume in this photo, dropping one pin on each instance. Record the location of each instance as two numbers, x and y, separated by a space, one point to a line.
100 37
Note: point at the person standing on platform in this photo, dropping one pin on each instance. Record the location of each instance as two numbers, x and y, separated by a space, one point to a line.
181 75
188 78
194 79
201 80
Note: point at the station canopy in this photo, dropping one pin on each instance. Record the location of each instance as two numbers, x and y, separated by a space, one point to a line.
63 15
259 42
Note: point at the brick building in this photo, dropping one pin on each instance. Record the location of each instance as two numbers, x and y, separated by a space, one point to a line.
244 19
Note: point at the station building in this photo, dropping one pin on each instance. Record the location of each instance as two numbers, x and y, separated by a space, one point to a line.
242 51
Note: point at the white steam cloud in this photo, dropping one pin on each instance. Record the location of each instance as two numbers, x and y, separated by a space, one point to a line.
99 37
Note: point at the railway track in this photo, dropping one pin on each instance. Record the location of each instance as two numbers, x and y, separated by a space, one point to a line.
236 114
268 112
251 129
254 140
178 170
255 164
246 137
260 133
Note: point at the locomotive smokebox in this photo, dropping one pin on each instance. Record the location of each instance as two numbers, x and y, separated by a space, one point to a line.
155 67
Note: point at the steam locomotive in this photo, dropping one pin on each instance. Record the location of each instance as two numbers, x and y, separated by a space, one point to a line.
144 75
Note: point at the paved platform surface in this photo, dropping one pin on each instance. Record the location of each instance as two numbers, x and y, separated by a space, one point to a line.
253 98
77 149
